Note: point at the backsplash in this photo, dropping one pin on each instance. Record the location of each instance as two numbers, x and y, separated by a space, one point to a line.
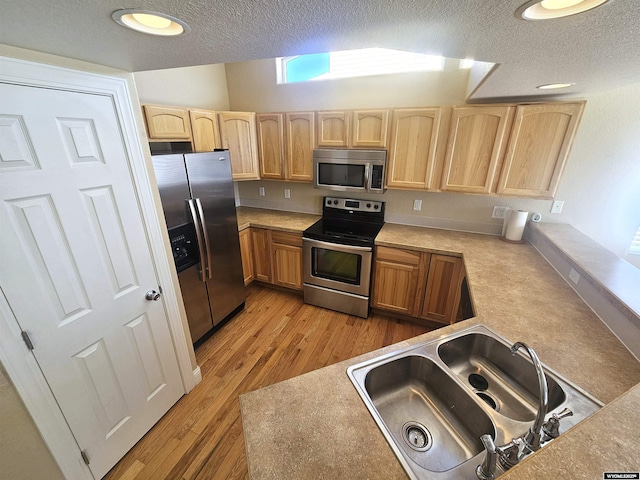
450 211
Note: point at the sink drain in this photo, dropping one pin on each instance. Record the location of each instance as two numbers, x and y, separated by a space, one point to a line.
488 400
478 382
417 436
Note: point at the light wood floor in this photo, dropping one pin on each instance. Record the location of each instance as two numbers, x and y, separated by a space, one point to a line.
276 337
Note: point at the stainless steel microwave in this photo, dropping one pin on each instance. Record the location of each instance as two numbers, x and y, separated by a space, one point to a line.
349 170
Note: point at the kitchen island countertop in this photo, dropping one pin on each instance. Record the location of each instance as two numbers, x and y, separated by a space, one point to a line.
316 425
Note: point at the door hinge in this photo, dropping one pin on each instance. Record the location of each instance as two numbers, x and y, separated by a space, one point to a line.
85 457
27 340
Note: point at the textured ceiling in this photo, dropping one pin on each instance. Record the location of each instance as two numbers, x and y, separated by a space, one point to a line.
599 50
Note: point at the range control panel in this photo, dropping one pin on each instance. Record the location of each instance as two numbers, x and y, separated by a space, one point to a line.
353 204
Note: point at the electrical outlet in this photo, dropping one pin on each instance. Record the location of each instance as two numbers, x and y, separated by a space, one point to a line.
417 205
556 207
261 191
287 193
574 276
499 212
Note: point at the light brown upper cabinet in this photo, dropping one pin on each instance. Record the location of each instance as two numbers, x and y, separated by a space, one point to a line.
353 128
167 123
333 129
271 144
538 148
238 134
475 147
300 140
412 154
204 126
369 128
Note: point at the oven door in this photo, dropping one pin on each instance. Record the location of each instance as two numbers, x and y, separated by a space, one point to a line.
345 268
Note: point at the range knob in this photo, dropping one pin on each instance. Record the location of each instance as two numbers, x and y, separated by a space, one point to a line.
376 206
335 202
328 202
368 205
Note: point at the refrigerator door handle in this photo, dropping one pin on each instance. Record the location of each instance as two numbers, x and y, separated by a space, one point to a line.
196 223
206 237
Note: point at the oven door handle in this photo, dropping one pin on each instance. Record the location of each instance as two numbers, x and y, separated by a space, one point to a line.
336 246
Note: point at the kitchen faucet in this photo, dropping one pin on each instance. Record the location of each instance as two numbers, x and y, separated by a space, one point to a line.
509 455
532 437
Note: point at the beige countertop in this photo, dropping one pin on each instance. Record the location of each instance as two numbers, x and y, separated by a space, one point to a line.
274 219
316 425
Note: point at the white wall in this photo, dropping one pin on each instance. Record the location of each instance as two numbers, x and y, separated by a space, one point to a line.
601 184
202 86
23 454
253 87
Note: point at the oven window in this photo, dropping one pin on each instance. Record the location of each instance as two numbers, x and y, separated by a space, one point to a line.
338 266
341 174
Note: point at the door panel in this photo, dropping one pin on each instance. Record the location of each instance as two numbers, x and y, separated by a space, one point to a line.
75 265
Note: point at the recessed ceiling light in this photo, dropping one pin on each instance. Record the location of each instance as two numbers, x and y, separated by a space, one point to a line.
154 23
551 86
546 9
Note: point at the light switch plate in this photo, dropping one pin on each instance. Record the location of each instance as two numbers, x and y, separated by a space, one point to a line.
417 204
499 212
556 206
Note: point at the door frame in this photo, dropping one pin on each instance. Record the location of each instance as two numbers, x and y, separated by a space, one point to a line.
17 359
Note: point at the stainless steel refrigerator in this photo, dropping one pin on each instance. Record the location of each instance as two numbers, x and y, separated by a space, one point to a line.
197 197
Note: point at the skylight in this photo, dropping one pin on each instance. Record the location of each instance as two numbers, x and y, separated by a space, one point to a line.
354 63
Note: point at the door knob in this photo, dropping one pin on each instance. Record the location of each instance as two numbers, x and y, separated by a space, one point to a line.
152 295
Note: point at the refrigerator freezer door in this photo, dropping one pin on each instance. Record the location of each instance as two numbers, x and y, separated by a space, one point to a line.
194 295
211 184
174 188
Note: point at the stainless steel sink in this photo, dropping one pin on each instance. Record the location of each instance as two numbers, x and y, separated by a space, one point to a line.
507 383
433 401
423 410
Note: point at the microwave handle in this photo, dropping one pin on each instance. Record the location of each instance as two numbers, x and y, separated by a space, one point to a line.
367 169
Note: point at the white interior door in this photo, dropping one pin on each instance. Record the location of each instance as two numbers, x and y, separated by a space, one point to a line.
75 265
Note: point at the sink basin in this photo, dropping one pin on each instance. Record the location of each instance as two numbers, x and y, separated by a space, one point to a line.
437 424
507 383
433 401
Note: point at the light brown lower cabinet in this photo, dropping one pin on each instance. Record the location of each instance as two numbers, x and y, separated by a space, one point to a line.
246 251
417 284
286 254
261 244
277 257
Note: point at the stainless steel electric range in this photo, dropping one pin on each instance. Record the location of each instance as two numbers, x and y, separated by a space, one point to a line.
338 254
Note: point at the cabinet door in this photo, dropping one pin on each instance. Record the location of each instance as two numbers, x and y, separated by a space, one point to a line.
261 243
167 123
539 145
333 129
271 144
412 155
443 289
476 144
287 259
396 280
300 142
246 251
204 126
370 128
238 134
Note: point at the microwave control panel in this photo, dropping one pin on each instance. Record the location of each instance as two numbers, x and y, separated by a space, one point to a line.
377 174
